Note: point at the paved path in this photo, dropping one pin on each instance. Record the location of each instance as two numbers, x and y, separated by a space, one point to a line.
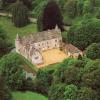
33 20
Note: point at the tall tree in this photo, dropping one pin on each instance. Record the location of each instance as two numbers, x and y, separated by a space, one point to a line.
93 51
11 69
5 46
88 7
20 14
84 33
52 16
80 4
4 91
70 8
27 3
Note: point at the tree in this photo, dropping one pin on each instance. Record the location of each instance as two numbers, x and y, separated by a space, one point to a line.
70 92
20 14
4 91
98 13
61 3
97 3
71 75
84 33
57 92
80 57
52 16
11 70
70 8
5 46
87 94
28 85
43 81
59 74
91 66
80 4
88 7
92 79
39 22
91 75
27 3
93 51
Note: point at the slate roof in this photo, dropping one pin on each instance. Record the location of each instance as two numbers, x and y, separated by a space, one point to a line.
41 36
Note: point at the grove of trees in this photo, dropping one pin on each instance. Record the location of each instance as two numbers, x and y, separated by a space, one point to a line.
71 79
51 17
19 14
5 45
84 32
12 71
93 51
4 90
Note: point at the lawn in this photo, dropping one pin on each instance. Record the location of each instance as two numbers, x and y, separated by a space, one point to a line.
27 96
8 26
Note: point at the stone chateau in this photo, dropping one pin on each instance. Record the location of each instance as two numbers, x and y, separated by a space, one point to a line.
32 46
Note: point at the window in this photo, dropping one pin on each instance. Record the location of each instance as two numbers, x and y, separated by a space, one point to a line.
36 57
48 47
60 41
55 40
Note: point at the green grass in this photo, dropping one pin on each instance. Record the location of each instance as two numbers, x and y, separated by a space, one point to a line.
8 26
27 96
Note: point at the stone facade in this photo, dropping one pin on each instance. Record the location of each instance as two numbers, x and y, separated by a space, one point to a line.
72 51
31 46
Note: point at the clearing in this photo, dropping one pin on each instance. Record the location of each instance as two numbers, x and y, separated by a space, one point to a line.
27 96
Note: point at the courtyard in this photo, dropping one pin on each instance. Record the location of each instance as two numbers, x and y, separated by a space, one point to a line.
52 56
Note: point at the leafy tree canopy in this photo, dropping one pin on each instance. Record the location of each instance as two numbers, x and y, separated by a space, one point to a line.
84 33
11 70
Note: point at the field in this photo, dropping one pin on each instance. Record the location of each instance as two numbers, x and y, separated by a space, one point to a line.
27 96
11 30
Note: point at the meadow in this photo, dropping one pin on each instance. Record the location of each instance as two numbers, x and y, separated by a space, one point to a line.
7 25
27 96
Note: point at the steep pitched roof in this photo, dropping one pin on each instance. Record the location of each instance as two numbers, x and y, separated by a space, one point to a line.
72 48
41 36
28 69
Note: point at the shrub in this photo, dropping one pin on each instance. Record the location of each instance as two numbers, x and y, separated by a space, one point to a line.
87 94
20 14
70 92
93 51
57 92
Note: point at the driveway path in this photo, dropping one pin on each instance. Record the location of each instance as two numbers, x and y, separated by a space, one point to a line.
33 20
